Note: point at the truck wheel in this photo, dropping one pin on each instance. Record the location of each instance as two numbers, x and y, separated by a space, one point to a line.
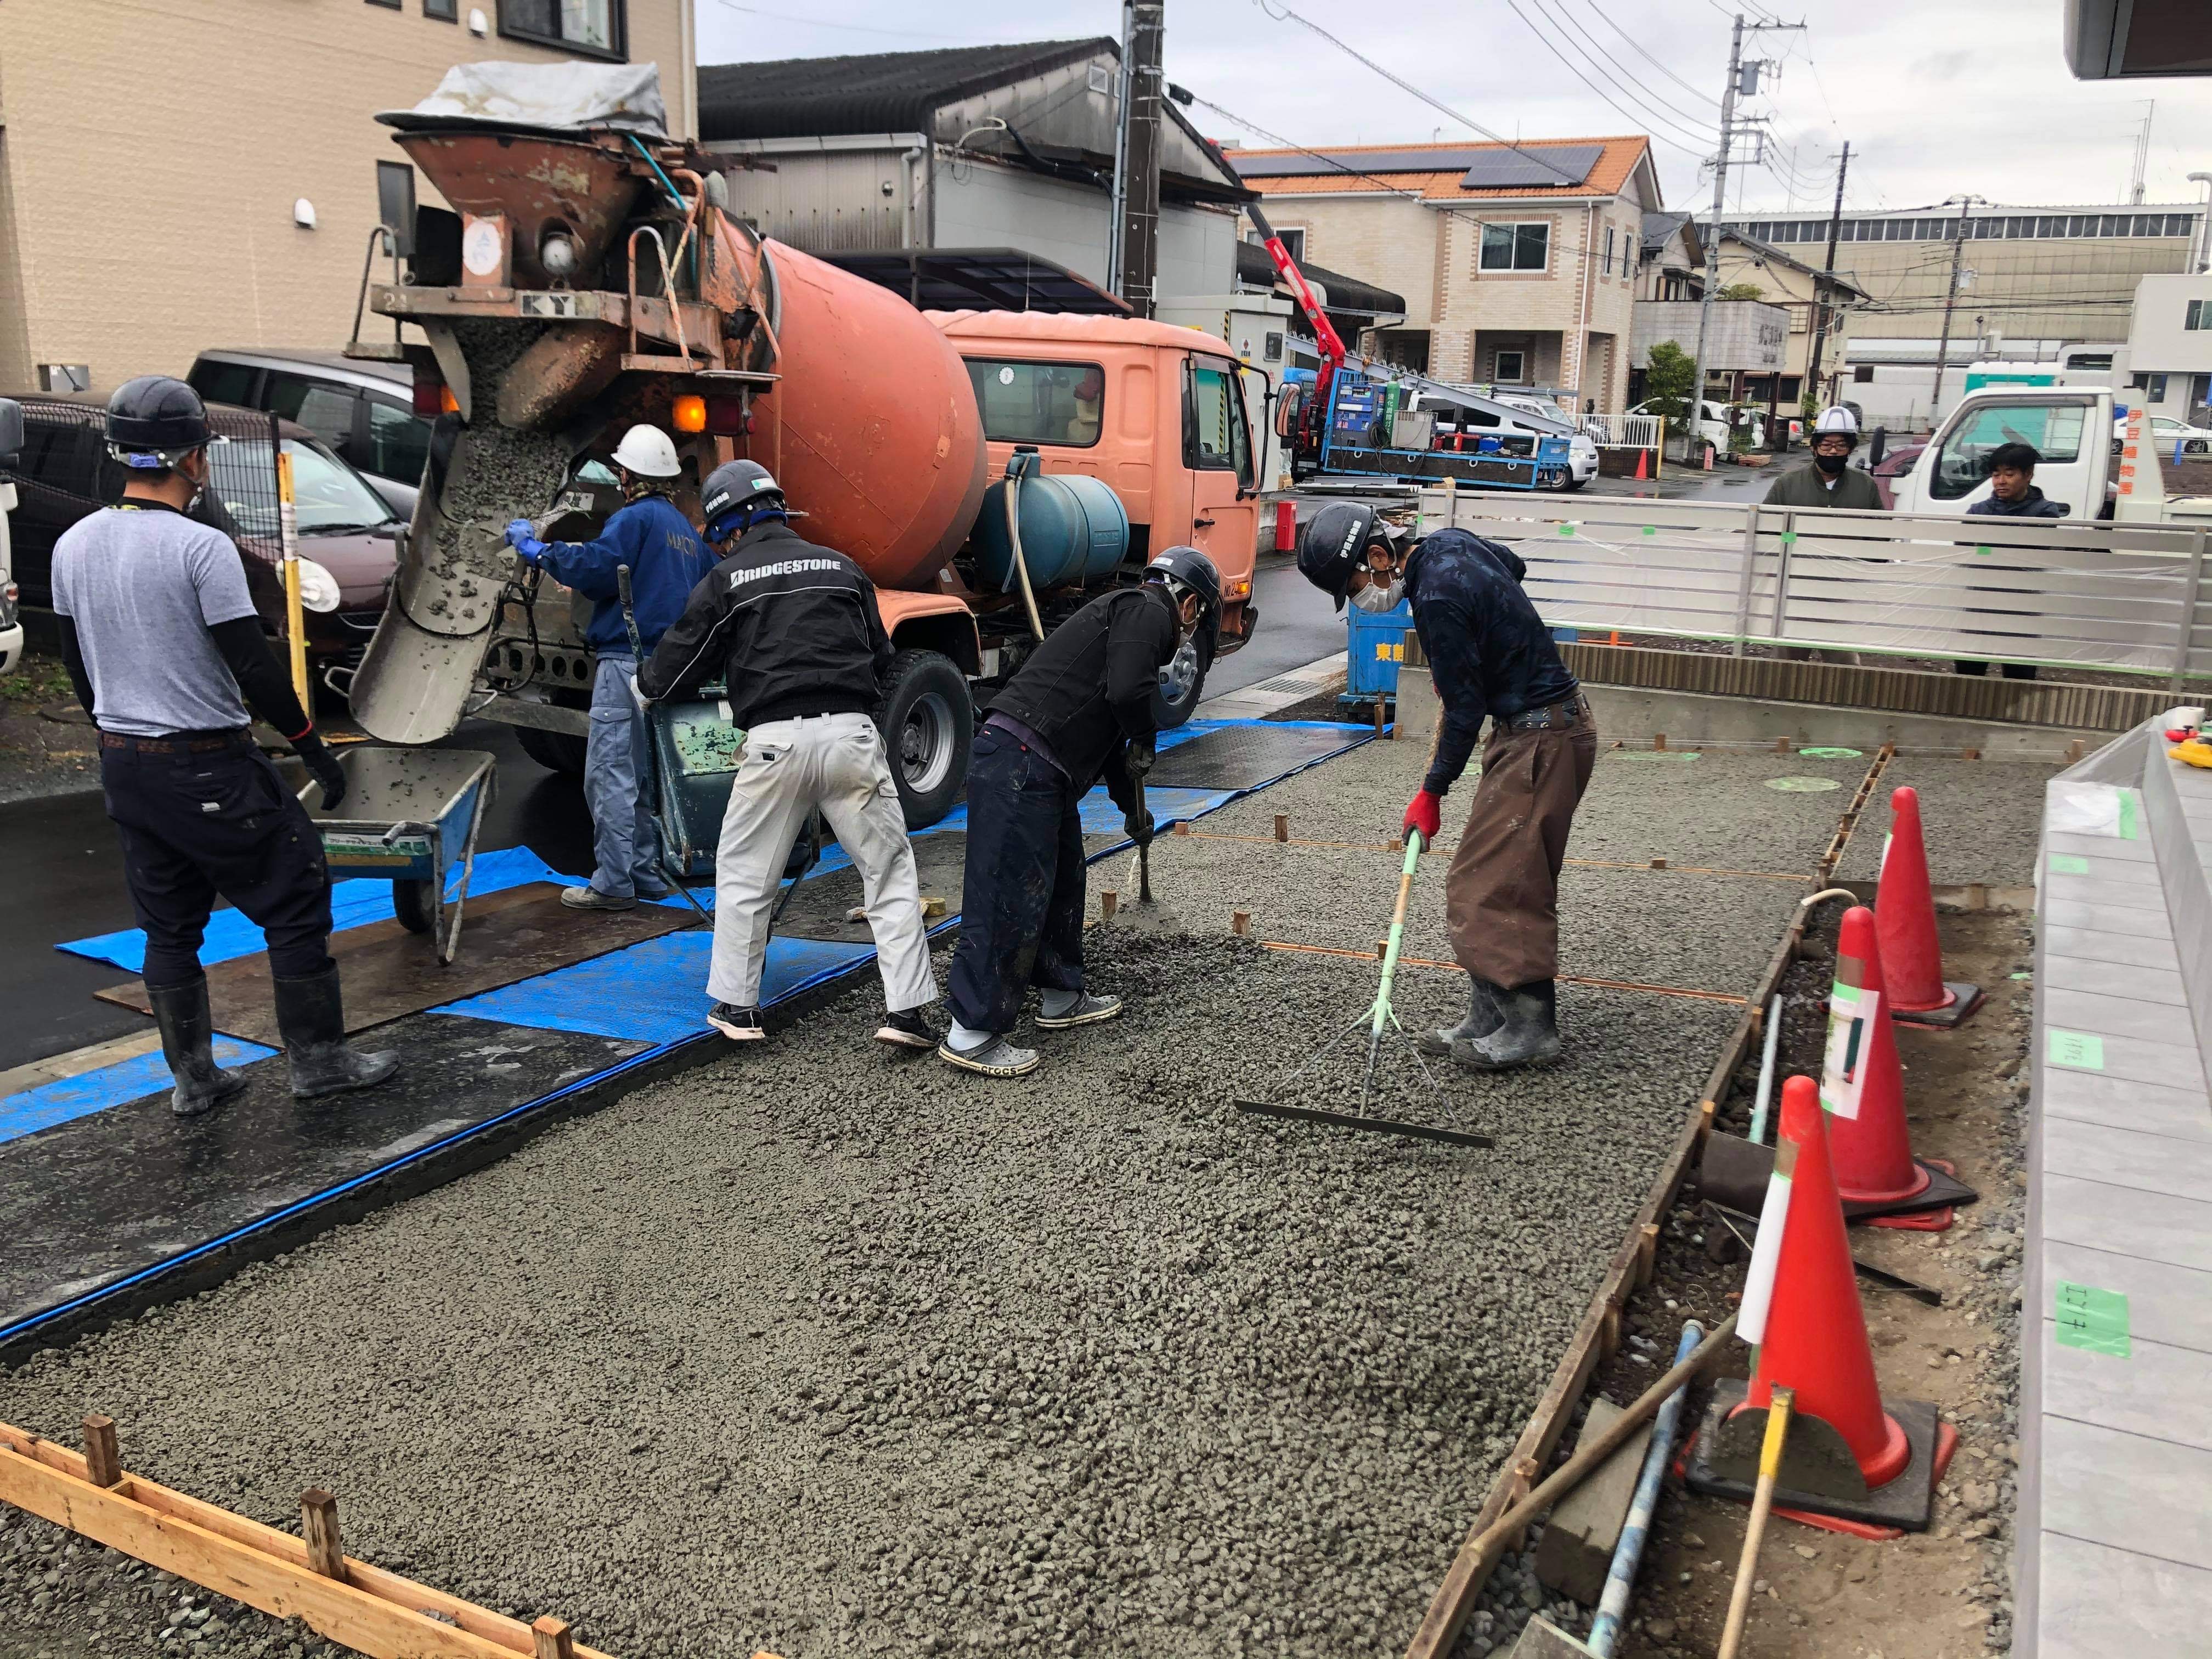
556 751
928 722
1182 682
414 903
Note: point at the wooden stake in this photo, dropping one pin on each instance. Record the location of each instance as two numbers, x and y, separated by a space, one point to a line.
1382 949
1182 828
1705 1110
1282 826
1647 1251
1240 923
549 1640
102 1466
318 1527
1658 864
1107 898
1970 753
1762 1503
1782 745
1659 742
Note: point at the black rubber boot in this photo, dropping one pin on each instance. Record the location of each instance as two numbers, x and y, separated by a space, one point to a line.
310 1014
1482 1018
188 1044
1528 1034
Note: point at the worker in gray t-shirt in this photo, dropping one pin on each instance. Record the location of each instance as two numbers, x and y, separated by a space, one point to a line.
165 649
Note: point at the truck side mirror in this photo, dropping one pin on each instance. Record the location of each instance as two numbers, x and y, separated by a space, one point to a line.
12 434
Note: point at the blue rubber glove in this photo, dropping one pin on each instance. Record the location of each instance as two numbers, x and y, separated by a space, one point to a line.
523 539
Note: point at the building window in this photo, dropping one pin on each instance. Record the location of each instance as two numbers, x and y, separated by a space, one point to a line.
1294 241
2200 314
2154 387
1511 367
1862 373
2090 360
446 11
1608 252
1516 247
389 5
592 28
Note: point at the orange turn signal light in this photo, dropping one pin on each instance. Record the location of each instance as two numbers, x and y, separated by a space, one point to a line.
448 404
689 413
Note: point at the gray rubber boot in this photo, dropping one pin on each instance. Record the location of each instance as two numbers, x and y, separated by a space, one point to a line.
188 1044
1529 1035
1482 1018
311 1015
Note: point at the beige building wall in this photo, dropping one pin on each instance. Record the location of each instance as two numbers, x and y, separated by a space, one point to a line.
1385 239
150 156
2074 288
1794 289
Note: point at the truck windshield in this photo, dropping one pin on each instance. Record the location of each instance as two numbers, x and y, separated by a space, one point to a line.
1027 402
2055 430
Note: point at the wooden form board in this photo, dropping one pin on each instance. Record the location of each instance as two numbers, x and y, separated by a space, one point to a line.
1600 1332
516 933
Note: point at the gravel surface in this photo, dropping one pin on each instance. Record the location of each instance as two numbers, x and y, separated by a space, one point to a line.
1982 820
823 1353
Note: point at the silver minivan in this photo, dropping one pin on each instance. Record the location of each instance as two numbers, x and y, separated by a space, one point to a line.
363 410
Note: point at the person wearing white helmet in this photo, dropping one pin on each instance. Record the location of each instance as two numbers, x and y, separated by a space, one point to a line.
650 535
1830 480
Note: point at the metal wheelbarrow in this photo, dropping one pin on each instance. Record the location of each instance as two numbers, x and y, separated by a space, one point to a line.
410 815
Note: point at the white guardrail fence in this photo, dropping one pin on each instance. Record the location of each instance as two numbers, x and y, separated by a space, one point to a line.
2113 596
1621 431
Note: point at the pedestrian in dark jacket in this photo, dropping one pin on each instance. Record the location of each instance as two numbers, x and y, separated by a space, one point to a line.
2013 493
665 560
1489 655
1081 708
792 629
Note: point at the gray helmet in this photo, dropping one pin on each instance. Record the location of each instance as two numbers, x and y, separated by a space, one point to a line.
153 420
735 488
1190 570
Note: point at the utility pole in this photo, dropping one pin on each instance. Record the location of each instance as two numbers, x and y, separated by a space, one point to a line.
1826 303
1120 210
1950 302
1140 194
1744 78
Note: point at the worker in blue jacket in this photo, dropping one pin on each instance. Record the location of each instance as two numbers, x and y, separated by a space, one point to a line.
1490 656
652 536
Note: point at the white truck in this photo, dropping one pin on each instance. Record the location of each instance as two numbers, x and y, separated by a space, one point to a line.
11 622
2071 427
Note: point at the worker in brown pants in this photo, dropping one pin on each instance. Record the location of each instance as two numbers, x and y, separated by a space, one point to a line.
1490 654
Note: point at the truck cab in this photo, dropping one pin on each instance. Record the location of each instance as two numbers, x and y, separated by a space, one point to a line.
2069 426
1158 413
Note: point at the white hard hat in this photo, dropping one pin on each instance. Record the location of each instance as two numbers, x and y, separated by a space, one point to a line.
1836 418
648 452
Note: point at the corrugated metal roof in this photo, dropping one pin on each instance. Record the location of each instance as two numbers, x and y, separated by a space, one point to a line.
870 91
1443 175
1255 264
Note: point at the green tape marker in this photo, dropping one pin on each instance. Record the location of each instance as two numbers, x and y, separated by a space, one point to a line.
1567 529
1788 538
1650 529
2078 1049
1981 552
2131 805
2069 863
1803 786
2087 1317
1827 752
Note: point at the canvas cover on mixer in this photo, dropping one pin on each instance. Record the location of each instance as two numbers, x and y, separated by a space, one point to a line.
562 98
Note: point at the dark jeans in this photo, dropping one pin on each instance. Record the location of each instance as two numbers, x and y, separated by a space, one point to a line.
195 826
1021 914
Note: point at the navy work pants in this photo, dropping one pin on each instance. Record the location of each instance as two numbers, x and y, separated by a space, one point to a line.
219 822
1021 911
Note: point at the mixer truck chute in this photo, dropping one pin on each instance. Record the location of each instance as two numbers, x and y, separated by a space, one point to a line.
588 278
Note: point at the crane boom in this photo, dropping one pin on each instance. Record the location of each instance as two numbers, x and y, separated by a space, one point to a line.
1314 415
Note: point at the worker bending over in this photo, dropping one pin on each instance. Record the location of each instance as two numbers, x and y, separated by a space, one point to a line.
1830 481
650 535
1081 708
164 648
794 632
1489 654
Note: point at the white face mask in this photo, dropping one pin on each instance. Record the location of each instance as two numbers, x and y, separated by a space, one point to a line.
1376 596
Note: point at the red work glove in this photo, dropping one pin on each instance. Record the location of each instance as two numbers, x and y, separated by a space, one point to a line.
1424 815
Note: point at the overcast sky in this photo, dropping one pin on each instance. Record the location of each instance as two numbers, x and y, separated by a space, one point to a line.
1937 97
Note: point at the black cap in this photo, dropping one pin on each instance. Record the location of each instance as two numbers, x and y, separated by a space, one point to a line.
1333 544
157 414
1198 574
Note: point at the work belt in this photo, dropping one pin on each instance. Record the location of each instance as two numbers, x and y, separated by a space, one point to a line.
181 743
1554 716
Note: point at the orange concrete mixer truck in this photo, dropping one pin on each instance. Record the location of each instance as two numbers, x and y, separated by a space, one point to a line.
989 471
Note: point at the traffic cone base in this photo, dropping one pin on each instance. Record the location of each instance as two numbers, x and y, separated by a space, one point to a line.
1961 998
1819 1475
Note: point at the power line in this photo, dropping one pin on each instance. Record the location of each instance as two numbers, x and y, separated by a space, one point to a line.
1626 115
1690 125
1705 96
817 23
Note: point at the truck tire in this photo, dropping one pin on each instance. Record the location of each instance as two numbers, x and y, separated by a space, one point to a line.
556 751
1183 683
414 905
928 721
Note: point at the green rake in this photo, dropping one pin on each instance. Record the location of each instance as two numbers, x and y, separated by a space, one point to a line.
1376 1018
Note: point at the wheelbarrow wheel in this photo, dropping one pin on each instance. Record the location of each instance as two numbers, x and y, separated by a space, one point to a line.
415 904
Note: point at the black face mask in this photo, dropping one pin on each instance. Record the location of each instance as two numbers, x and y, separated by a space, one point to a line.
1831 465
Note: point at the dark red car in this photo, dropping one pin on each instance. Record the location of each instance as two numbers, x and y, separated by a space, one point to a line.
1895 463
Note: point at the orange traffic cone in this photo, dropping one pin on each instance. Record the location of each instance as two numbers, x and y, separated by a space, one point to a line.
1905 916
1876 1173
1642 461
1851 1455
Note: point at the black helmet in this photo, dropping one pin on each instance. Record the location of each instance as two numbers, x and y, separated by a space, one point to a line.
734 488
1333 544
154 419
1187 568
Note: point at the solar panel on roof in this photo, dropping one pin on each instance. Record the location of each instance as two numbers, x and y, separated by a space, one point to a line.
1554 164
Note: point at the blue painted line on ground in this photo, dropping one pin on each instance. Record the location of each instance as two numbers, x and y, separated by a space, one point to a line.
49 1103
691 1032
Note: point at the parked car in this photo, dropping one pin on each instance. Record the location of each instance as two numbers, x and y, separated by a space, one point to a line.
12 626
2163 432
1714 423
363 411
1896 461
66 474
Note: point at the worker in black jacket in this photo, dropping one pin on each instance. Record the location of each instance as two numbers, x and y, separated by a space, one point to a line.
1081 708
164 648
793 630
1490 654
